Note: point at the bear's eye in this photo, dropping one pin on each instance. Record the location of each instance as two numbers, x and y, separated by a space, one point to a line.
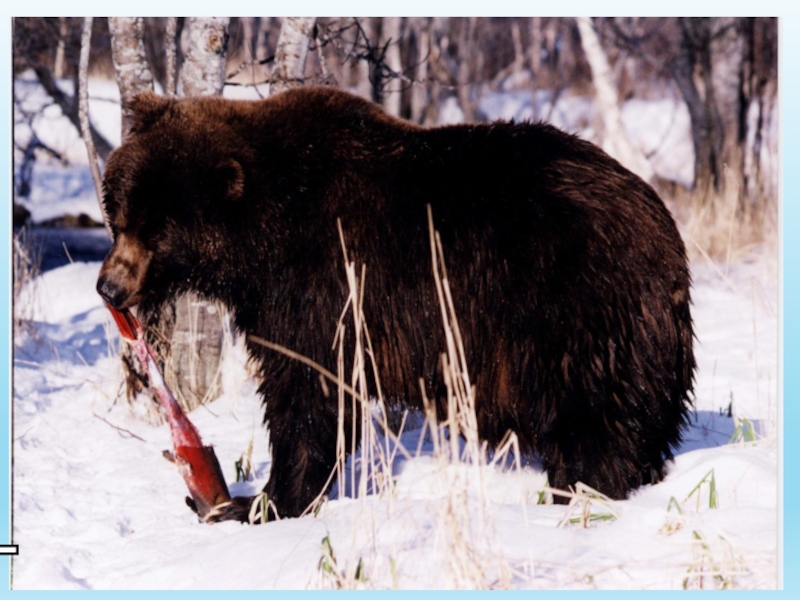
151 232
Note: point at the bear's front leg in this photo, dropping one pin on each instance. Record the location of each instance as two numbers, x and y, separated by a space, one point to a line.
302 423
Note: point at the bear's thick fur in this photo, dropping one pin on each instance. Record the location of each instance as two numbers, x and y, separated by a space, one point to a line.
569 277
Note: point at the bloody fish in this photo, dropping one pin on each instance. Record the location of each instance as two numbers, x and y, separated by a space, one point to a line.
197 463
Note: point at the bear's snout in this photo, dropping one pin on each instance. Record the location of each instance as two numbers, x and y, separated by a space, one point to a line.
122 275
112 293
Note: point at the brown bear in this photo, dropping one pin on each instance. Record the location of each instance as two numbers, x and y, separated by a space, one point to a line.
568 274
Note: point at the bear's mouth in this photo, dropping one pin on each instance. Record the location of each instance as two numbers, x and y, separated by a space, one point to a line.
116 295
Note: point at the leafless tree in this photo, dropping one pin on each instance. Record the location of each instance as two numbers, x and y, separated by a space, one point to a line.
188 332
615 140
693 65
365 28
390 39
130 63
83 115
291 53
58 63
195 326
759 89
686 55
468 66
419 93
33 41
203 69
536 46
171 52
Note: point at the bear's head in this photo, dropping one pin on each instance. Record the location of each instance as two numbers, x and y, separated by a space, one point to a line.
173 194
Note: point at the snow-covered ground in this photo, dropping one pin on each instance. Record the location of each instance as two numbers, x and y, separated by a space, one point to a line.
97 506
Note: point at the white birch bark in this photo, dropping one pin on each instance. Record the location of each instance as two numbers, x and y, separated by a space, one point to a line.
391 91
171 48
614 140
130 62
203 69
291 53
196 334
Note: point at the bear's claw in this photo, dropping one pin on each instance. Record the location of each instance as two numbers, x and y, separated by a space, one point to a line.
237 508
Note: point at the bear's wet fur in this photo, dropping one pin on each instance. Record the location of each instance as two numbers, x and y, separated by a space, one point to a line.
568 274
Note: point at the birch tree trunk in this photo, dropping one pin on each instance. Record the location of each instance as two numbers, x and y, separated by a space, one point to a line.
291 53
58 64
536 47
171 48
392 90
419 93
195 326
466 68
248 39
130 62
203 69
615 141
82 94
519 53
708 136
758 102
437 69
187 334
133 77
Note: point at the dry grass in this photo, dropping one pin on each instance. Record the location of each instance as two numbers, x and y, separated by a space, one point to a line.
466 549
460 531
464 525
725 226
26 257
715 562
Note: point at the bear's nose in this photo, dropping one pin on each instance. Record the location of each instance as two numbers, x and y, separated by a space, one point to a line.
109 292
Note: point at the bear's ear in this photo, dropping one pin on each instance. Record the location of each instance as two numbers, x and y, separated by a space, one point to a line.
231 177
145 109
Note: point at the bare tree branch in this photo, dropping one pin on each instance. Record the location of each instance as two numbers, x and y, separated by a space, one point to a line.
69 107
120 430
85 127
615 140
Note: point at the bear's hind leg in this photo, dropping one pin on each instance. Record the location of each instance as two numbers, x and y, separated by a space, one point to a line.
610 464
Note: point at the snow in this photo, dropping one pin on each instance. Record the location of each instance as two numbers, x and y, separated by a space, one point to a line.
61 293
62 188
96 506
